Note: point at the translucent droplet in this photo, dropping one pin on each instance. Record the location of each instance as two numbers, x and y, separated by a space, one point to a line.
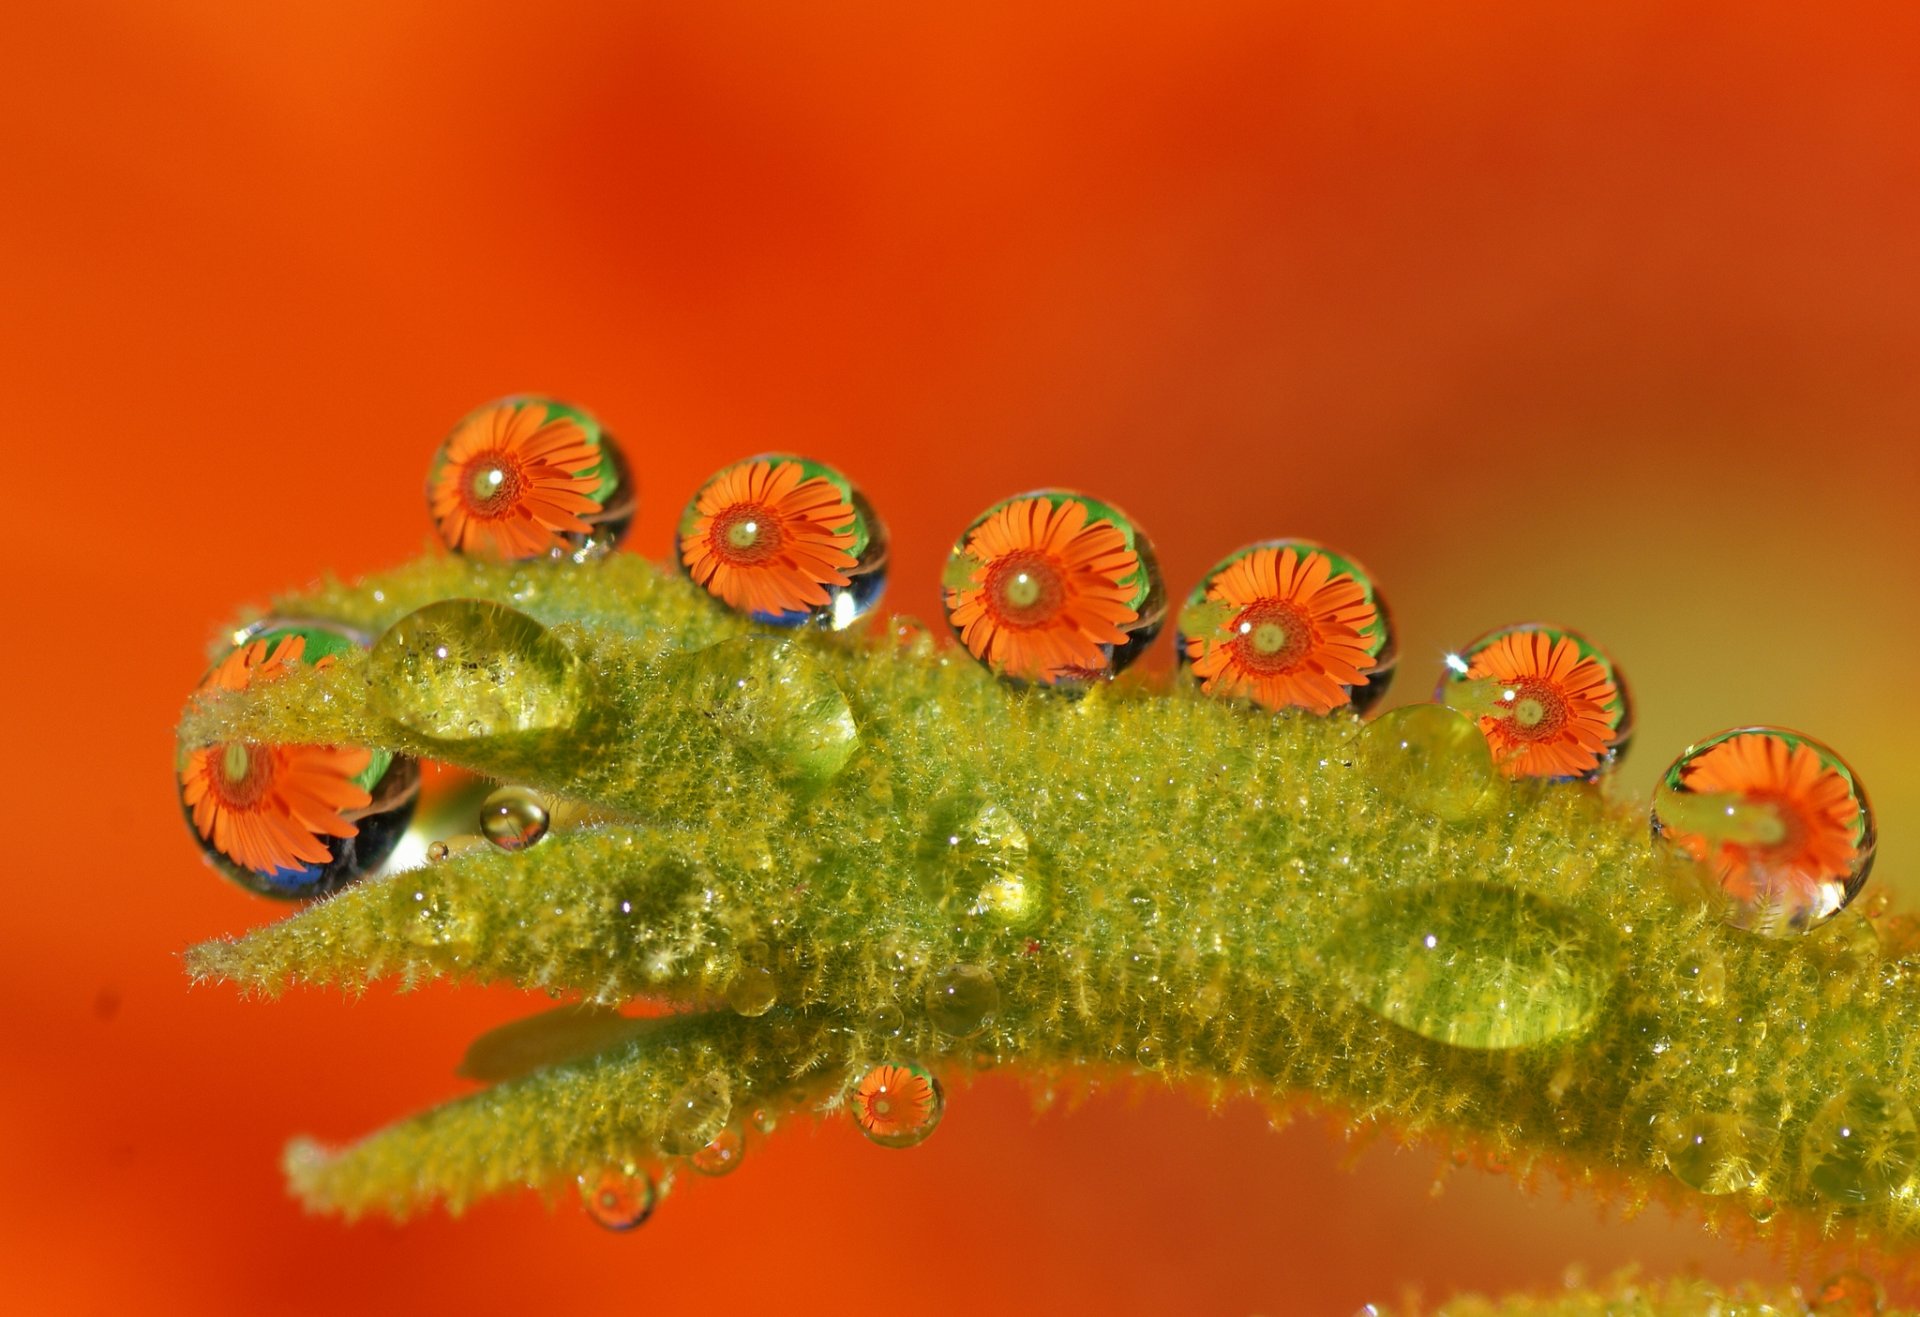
897 1105
1432 758
765 1120
292 821
1549 701
618 1197
1288 624
448 847
888 1020
463 669
1779 822
513 818
1715 1152
975 858
1849 1294
1054 588
529 477
695 1115
1861 1145
1474 964
787 541
565 1033
961 999
768 696
722 1154
1148 1055
753 991
1701 977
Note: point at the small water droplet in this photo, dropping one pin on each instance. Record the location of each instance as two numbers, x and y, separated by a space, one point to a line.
976 858
1474 964
1432 758
897 1105
722 1154
1861 1145
961 999
1848 1294
1777 819
753 991
889 1020
1715 1152
1148 1055
1549 702
513 818
618 1197
464 669
768 696
695 1115
765 1120
486 485
1701 977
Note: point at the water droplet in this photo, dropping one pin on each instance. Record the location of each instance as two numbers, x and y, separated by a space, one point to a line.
448 847
1715 1152
753 991
975 858
1474 964
695 1115
496 483
722 1154
1701 977
1779 822
1432 758
554 1037
889 1021
961 999
1054 588
1288 624
897 1105
1848 1294
513 818
1550 703
1861 1145
1148 1055
786 540
352 805
618 1197
768 696
765 1120
463 669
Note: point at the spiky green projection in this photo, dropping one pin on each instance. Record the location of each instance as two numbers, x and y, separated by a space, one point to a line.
1281 907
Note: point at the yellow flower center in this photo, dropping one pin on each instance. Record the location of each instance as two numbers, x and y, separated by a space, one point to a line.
1025 589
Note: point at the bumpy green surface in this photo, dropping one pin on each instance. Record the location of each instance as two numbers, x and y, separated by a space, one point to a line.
1237 902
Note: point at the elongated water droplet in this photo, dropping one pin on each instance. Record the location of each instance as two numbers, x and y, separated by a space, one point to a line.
1861 1145
695 1115
464 669
897 1105
513 818
565 1033
722 1154
618 1197
1715 1152
1431 757
768 696
961 999
1474 964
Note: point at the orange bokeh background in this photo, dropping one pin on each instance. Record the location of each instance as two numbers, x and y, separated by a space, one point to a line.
1605 313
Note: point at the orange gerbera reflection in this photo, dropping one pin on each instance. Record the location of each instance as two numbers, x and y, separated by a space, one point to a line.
1814 805
265 807
1295 635
767 538
894 1102
514 479
1556 707
1048 592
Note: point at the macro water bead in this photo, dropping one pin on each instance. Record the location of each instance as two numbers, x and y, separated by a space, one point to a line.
787 541
1780 821
1054 588
619 1197
1288 624
897 1106
530 477
293 821
1549 701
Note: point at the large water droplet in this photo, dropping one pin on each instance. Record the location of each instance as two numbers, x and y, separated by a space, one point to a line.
1715 1152
1550 703
1474 964
1432 758
513 818
695 1115
722 1154
768 696
618 1197
897 1105
961 999
1861 1145
464 669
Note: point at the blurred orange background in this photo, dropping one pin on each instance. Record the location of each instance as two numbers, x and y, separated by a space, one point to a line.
1607 313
